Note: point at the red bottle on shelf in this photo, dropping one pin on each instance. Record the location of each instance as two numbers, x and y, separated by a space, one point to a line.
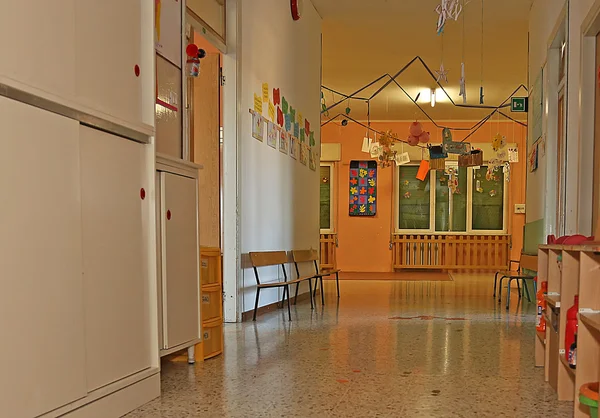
571 326
540 322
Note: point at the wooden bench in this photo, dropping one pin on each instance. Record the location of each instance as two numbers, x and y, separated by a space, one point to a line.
272 258
526 261
303 256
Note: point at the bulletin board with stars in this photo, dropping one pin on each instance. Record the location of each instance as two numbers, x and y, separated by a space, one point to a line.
363 188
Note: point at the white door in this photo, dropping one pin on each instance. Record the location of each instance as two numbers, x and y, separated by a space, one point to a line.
42 359
115 277
180 276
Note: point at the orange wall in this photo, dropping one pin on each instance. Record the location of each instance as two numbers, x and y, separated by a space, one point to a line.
364 241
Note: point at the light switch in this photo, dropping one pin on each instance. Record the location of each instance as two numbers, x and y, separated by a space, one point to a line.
520 208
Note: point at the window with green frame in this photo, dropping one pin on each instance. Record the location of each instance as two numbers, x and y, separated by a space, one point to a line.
483 198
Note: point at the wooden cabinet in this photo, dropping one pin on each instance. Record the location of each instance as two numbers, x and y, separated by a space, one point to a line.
212 301
180 284
115 283
41 306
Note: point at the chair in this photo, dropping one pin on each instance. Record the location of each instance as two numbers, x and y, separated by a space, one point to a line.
271 258
528 262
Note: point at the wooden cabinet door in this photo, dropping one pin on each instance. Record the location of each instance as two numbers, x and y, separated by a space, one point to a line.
180 278
108 46
42 353
115 278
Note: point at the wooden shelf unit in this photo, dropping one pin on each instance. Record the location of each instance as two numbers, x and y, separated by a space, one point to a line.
212 301
578 274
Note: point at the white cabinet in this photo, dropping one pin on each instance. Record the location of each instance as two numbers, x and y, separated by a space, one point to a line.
42 355
108 48
37 40
179 256
115 279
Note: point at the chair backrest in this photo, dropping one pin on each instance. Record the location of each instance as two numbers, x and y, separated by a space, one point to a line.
301 256
268 258
529 262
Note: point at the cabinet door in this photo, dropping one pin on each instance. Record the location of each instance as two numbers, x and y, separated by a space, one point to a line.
115 278
41 308
180 277
108 47
37 40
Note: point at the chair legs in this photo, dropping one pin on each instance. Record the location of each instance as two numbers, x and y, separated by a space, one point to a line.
508 293
337 283
526 288
296 295
256 303
310 293
500 288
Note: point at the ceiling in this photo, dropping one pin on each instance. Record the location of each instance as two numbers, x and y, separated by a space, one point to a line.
363 40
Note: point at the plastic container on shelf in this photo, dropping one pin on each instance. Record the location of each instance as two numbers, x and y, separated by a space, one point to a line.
572 354
540 322
588 395
571 326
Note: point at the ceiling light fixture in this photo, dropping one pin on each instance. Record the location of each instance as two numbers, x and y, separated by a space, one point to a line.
432 97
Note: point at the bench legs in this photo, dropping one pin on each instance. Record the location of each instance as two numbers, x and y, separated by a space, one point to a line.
310 293
256 303
287 288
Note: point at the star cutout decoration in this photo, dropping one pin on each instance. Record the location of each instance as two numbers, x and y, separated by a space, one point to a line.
463 86
442 74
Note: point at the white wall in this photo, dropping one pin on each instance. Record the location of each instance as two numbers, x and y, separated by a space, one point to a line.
279 196
544 19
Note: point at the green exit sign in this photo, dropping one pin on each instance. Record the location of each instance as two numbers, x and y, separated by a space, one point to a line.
518 104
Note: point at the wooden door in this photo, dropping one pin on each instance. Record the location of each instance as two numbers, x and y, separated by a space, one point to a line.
115 277
206 151
180 275
596 181
42 355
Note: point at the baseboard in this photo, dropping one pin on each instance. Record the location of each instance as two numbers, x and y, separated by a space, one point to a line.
247 316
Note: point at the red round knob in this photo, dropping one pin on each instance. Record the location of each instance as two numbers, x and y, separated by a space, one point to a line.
136 70
168 215
142 193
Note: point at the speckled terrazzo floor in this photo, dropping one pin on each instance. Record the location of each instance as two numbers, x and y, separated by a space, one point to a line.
352 360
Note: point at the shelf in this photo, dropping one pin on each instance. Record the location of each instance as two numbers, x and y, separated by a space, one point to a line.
547 318
213 287
553 299
593 247
542 336
592 320
565 363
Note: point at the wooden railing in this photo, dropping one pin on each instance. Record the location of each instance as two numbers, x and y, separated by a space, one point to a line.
327 251
451 252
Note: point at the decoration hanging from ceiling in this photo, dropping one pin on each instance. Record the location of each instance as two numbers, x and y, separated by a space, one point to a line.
442 74
463 83
447 10
417 134
481 86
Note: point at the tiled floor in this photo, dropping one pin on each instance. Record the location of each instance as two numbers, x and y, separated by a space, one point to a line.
363 358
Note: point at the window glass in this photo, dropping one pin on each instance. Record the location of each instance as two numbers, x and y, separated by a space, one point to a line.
488 200
451 205
414 199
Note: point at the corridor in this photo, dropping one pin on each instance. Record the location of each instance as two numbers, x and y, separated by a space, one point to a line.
463 355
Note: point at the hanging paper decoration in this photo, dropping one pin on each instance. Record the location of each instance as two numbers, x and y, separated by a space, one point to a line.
498 142
423 170
363 188
463 83
447 10
437 157
472 159
276 97
416 134
442 74
451 147
366 145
